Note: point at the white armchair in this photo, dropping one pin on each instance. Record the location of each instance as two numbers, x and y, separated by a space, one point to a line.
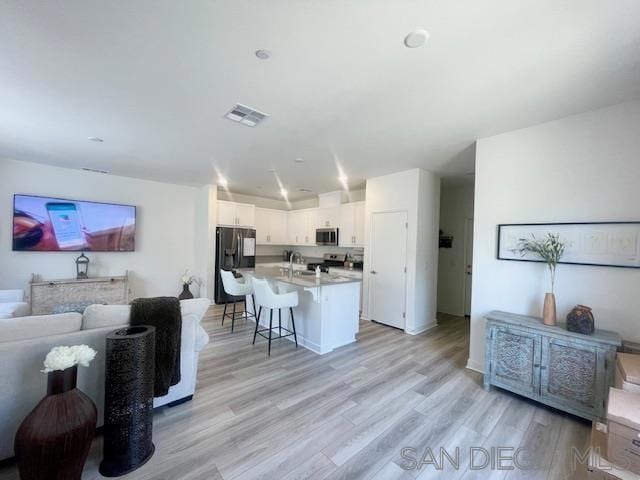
12 304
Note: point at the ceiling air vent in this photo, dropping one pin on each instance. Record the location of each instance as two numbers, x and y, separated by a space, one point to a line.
245 115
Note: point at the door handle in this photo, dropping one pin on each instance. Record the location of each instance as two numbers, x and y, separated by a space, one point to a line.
373 272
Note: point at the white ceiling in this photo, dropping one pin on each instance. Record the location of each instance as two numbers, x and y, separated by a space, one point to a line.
155 77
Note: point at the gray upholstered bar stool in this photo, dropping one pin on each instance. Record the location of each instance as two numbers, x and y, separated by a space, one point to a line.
239 292
267 298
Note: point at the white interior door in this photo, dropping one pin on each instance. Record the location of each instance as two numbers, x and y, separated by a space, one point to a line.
468 264
387 275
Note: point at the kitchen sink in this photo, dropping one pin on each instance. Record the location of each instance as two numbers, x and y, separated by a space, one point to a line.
304 273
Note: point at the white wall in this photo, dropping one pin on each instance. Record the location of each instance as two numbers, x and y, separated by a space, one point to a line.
165 229
418 193
580 168
205 240
456 205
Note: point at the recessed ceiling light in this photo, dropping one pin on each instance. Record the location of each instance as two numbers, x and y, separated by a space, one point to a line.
283 192
305 190
95 139
271 170
263 54
299 160
416 39
222 182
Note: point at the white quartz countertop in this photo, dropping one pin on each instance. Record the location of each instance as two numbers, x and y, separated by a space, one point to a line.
298 279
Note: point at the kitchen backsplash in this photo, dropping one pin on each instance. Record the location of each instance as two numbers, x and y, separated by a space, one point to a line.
307 252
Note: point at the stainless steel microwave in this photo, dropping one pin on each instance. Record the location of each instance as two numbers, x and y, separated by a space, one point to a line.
327 236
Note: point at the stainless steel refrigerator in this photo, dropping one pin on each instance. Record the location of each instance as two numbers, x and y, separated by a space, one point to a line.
235 248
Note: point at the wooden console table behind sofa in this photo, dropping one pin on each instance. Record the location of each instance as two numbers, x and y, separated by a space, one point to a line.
45 295
566 370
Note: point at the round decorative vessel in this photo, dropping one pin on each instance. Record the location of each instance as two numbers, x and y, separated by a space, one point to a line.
53 442
186 293
580 319
128 400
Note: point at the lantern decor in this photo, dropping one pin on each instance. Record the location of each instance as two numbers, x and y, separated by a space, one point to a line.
82 267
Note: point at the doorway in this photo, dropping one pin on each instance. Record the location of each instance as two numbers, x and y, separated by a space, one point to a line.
387 274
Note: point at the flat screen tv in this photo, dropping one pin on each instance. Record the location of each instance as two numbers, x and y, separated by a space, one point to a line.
58 225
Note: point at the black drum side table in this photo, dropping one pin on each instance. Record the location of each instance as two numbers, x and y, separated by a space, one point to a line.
128 400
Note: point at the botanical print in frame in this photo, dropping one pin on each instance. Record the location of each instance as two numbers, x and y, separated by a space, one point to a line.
608 244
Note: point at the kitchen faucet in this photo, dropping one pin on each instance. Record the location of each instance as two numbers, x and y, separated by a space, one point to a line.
293 254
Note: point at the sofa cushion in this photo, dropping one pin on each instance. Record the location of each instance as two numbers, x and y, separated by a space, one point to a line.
79 307
14 309
23 328
11 296
100 316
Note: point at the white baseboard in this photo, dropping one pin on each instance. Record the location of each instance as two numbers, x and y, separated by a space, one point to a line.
473 365
427 327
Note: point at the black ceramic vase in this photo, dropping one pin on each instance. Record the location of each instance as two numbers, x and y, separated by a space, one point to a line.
186 293
53 442
128 400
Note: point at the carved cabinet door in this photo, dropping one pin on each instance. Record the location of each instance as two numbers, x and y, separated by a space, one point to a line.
515 360
572 375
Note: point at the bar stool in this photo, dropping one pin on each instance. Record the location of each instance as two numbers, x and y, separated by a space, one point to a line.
267 298
237 290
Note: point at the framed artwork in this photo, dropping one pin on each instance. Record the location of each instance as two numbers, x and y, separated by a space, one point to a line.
605 244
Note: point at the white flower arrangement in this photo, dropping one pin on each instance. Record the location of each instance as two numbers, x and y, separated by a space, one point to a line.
61 358
189 279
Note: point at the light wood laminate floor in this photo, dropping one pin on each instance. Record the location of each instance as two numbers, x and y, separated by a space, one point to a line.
347 414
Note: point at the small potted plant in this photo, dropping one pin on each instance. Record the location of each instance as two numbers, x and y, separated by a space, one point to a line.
187 280
550 250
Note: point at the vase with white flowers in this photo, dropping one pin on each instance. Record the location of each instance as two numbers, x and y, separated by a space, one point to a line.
56 436
187 280
549 250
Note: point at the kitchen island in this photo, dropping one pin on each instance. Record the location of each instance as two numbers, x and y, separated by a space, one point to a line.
328 312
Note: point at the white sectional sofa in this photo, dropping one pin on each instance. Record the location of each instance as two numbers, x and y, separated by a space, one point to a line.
12 304
25 341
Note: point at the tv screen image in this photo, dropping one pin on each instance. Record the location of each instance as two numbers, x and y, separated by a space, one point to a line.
55 225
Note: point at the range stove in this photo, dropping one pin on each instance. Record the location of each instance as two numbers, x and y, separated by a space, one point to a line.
330 260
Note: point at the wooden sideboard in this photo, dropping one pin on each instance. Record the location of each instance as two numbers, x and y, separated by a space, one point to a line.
46 294
566 370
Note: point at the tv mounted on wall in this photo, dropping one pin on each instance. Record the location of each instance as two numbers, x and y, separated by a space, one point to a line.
48 224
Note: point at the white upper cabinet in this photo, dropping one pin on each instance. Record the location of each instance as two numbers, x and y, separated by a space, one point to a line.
236 214
310 222
329 217
351 232
271 227
359 218
297 227
302 227
246 214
